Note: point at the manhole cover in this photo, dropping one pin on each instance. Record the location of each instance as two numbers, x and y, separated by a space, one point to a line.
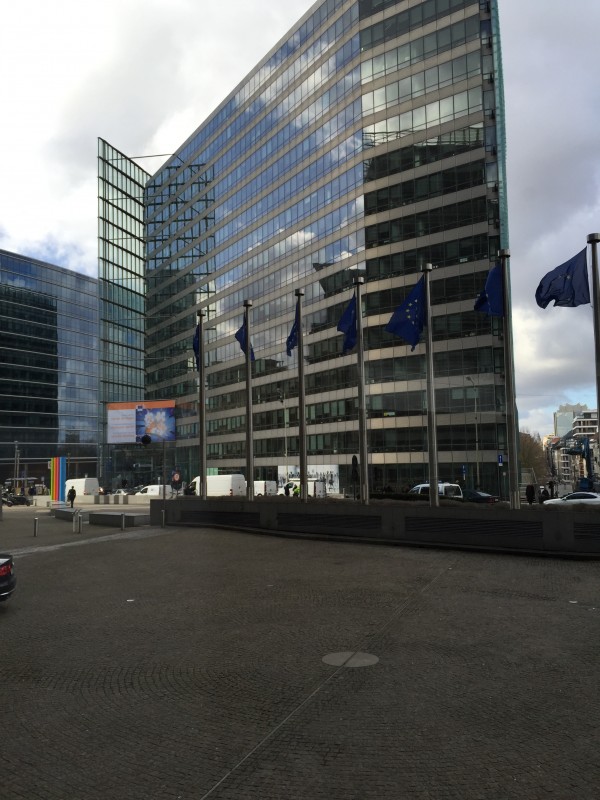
350 659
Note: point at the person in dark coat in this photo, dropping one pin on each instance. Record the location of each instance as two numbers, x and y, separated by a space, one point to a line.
71 495
530 493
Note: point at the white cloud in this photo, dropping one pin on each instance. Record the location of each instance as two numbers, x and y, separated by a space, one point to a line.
552 111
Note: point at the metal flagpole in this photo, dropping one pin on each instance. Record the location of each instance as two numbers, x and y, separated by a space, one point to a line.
164 483
434 496
249 425
301 403
362 406
201 408
593 240
512 421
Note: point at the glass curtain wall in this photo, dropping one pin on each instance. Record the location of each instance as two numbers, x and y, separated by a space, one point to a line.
48 370
355 147
122 290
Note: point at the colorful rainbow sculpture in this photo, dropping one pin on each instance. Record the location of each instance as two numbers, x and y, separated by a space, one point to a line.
58 477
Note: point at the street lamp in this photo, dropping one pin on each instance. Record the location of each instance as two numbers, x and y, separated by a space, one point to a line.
476 391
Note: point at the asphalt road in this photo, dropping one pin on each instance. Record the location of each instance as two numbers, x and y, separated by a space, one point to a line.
193 663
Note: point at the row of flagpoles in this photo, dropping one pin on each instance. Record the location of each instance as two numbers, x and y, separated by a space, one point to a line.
567 285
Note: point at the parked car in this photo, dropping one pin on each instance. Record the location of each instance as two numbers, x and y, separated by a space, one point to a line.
475 496
6 500
157 490
8 578
451 490
20 500
591 498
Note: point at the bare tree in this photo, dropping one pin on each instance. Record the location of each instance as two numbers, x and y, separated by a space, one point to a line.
532 455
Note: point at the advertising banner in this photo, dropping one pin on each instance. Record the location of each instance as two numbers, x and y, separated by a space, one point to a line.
128 422
328 473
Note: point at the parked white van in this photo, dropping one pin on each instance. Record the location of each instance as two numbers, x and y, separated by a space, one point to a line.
156 490
452 490
265 488
220 486
83 486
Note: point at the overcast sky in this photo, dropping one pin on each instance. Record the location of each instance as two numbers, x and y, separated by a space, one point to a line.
143 74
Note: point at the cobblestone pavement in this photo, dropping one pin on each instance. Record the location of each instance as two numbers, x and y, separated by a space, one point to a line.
188 664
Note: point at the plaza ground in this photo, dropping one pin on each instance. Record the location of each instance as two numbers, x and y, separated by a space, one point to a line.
194 663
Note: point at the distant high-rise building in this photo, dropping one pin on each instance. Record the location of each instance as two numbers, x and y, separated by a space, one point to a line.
369 141
563 418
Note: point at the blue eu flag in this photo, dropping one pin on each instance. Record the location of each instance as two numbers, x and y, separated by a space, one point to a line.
292 339
567 285
347 326
408 319
491 299
242 336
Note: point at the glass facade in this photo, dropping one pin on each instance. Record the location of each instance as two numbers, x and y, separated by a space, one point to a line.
122 290
370 140
48 369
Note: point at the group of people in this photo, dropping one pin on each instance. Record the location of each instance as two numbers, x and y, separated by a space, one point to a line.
542 495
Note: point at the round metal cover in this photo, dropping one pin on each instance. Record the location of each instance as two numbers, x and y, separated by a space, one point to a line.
350 658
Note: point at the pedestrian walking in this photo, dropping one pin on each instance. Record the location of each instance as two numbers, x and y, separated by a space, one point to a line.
530 493
71 495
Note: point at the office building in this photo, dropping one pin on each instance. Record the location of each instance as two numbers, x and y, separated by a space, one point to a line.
564 416
122 293
586 424
48 369
369 141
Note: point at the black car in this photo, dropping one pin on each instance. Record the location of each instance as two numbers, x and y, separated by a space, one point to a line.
19 499
473 496
8 579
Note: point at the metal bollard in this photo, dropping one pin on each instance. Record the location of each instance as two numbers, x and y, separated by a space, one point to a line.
75 521
162 524
79 522
35 526
122 522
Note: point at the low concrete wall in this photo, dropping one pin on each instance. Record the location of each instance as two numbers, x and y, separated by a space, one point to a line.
568 532
64 512
95 500
118 519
